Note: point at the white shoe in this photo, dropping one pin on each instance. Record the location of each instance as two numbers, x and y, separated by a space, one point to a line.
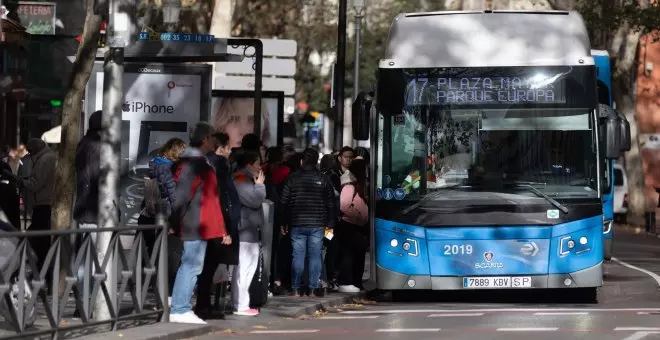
349 289
188 317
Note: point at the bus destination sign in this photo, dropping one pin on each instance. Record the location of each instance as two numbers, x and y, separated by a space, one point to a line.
485 90
178 37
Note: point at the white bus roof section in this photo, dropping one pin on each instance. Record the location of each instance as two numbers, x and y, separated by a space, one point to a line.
487 39
600 52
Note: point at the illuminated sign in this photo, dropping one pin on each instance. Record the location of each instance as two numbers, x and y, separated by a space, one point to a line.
485 90
178 37
38 18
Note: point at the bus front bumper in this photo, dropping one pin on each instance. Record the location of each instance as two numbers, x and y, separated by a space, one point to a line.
389 280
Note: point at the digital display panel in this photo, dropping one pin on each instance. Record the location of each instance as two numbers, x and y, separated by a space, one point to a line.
504 90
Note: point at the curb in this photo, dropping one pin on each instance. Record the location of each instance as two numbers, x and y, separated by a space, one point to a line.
324 306
158 331
173 331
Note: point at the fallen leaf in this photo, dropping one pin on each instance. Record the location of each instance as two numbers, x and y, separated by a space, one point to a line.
228 331
120 335
259 327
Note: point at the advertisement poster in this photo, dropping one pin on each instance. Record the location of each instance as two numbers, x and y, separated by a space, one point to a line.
232 112
160 103
38 18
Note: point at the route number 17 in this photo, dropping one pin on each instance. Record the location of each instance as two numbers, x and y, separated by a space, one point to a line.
458 250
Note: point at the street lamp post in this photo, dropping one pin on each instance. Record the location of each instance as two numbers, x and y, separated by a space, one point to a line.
358 6
340 73
171 10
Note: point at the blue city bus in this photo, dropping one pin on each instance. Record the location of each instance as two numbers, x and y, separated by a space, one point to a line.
485 148
604 86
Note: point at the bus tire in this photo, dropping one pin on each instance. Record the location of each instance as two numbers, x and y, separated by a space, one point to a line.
587 295
402 296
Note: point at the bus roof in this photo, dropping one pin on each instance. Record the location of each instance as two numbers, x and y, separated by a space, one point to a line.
600 53
484 39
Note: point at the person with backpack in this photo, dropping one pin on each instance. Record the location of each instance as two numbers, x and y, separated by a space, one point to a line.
159 190
352 231
159 187
196 217
249 180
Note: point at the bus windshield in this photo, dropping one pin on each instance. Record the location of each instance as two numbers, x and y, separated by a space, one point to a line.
489 136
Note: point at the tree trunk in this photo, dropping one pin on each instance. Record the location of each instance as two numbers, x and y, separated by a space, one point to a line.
71 114
624 49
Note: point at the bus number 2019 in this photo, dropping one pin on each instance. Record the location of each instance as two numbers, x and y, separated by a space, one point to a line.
458 250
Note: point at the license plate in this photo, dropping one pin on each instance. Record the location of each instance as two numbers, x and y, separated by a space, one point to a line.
482 282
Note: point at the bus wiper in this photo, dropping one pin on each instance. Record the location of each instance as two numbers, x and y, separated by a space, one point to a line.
548 198
428 197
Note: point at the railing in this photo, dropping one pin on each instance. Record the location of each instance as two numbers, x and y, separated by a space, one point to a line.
122 270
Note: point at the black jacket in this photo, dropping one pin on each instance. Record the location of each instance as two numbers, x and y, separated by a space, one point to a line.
88 168
9 199
309 200
231 208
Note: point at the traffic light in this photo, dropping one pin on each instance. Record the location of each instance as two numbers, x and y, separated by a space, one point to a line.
102 38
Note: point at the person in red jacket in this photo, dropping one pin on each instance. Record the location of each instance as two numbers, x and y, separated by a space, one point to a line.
196 218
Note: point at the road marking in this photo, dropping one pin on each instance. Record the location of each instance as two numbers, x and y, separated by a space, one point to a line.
349 317
285 331
454 314
487 310
639 335
528 329
638 329
561 313
653 275
406 330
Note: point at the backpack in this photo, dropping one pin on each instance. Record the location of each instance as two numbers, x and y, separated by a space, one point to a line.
152 197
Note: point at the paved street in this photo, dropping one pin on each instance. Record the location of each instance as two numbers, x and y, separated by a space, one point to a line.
628 308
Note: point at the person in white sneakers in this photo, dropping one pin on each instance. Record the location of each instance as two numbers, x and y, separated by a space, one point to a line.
352 230
249 181
196 218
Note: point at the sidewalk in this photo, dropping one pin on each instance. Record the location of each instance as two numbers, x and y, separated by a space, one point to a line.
278 308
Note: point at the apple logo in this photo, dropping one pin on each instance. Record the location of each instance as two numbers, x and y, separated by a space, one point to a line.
126 107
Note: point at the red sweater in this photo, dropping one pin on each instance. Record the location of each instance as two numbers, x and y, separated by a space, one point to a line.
278 172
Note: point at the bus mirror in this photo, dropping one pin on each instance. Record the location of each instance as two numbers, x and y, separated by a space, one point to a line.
612 138
625 133
361 114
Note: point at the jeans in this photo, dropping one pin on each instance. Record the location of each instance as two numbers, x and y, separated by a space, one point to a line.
248 259
192 263
307 241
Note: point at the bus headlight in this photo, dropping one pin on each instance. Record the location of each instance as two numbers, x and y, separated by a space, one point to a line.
570 244
394 243
583 240
406 246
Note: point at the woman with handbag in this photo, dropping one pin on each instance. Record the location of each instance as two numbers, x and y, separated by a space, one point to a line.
352 231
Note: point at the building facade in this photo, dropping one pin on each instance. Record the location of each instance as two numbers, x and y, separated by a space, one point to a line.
14 41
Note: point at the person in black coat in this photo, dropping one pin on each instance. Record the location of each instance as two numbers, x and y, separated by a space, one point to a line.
218 254
10 200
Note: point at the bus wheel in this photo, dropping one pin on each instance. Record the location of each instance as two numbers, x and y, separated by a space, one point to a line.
403 296
586 295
